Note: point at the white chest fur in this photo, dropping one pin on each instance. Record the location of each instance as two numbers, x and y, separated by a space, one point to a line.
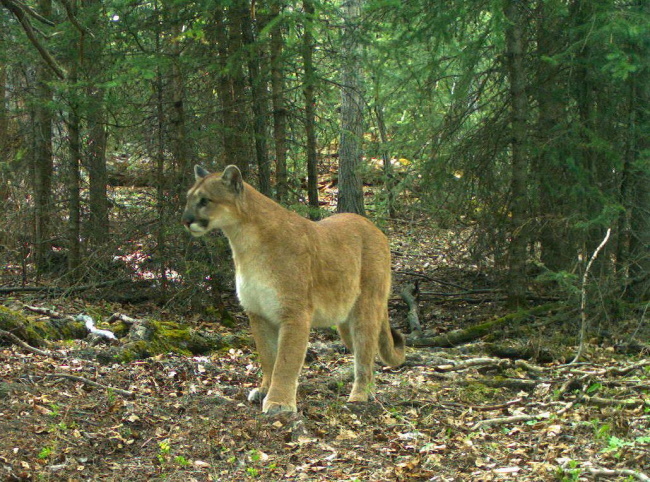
257 295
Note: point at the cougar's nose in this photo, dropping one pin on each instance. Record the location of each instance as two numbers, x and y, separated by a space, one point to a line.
187 219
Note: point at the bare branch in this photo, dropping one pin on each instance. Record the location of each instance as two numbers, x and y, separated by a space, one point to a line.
583 302
19 13
119 391
14 339
73 19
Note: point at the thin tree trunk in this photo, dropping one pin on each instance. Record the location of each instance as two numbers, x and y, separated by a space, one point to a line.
350 184
73 184
259 91
640 145
4 124
96 144
519 113
231 84
178 123
279 109
72 166
389 176
556 251
310 111
96 164
42 157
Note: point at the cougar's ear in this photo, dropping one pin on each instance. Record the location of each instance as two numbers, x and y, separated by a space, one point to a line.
232 178
199 172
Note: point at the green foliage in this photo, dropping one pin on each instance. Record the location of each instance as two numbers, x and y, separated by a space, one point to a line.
436 94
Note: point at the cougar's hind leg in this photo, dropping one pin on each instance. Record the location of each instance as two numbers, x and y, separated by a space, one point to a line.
346 335
265 335
365 336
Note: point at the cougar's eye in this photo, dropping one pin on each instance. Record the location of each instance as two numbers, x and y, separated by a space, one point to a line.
203 202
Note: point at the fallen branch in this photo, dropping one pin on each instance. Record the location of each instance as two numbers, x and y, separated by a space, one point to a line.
56 290
512 419
119 391
612 402
90 326
500 406
459 337
520 418
14 339
121 317
597 471
472 363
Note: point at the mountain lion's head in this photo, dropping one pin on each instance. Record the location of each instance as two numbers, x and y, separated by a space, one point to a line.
212 203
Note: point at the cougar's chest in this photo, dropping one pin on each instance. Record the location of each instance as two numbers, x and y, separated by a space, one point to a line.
257 295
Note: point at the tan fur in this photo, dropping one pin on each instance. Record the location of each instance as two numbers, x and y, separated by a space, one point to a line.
293 274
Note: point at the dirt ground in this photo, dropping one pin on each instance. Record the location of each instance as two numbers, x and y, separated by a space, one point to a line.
453 414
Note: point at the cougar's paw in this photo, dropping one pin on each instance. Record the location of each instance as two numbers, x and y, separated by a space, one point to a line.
256 395
272 408
361 396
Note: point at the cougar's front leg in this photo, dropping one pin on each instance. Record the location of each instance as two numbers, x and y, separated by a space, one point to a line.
292 347
265 335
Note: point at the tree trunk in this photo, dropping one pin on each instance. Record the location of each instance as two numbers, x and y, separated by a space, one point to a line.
162 186
389 176
279 109
42 157
73 184
639 134
518 125
181 149
231 84
259 93
556 251
310 108
96 164
97 135
350 184
4 118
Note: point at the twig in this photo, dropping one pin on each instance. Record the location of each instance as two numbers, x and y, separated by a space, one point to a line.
500 406
14 339
616 472
119 391
48 312
521 418
73 19
512 419
473 362
121 317
583 301
49 289
612 402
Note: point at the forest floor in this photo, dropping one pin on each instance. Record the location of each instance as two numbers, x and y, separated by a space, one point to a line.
452 414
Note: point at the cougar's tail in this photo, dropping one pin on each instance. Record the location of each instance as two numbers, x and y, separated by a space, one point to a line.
391 346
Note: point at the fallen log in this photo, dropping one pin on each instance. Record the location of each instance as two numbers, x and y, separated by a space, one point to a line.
131 339
460 337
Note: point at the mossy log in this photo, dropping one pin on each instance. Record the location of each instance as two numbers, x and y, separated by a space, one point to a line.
136 339
37 332
145 338
460 337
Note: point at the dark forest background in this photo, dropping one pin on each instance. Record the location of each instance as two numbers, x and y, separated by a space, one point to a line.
525 123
